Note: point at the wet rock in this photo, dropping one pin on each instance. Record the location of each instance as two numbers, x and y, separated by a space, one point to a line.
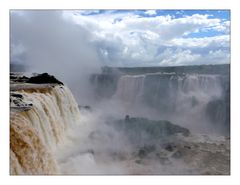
127 117
162 158
169 147
177 155
135 128
188 147
145 150
16 102
91 151
164 161
17 95
142 153
43 78
149 148
18 78
118 156
138 161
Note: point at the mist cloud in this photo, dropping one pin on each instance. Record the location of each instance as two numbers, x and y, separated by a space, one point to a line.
124 38
132 38
45 42
74 44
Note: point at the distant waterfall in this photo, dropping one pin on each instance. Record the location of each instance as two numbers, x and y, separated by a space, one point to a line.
168 89
35 133
130 88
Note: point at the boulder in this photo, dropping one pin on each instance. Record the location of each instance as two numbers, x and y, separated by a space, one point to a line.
144 130
16 95
145 150
43 79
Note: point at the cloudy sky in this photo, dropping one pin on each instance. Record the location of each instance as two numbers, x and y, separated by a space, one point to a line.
123 37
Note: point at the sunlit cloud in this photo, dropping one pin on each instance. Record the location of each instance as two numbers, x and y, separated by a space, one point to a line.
142 38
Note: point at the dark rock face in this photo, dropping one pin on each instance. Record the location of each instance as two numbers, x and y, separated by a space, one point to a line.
160 127
142 129
43 79
145 150
17 103
14 77
17 95
169 147
177 155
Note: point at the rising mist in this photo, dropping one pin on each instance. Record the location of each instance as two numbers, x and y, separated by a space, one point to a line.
168 102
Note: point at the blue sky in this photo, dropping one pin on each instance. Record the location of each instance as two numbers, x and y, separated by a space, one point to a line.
143 37
223 15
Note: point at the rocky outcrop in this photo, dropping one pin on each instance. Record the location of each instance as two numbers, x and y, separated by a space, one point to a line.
142 130
17 102
43 78
18 77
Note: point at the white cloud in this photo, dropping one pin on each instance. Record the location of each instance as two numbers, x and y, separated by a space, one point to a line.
126 38
128 21
223 26
219 55
217 41
87 12
166 27
151 12
44 41
178 57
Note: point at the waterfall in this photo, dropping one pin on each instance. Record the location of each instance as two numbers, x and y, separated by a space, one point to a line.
186 96
168 89
197 90
36 133
130 88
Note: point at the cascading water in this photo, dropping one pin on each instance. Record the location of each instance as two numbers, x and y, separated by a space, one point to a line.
45 137
172 95
153 88
130 88
162 86
36 132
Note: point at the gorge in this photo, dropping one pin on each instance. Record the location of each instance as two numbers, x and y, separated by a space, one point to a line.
144 121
